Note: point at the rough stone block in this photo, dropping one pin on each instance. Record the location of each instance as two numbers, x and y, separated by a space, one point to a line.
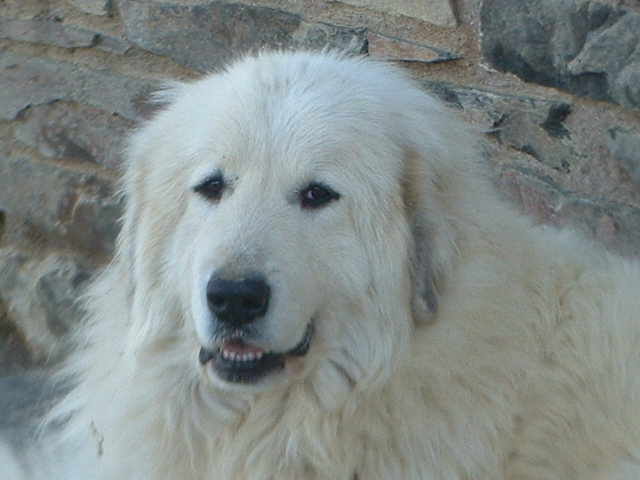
583 47
40 292
52 32
94 7
438 12
624 146
70 131
38 81
534 126
626 85
49 33
14 351
204 37
615 52
541 165
615 225
60 207
391 48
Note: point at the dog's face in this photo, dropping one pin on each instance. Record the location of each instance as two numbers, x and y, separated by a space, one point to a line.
276 251
275 197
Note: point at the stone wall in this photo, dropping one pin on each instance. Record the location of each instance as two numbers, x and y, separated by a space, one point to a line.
554 83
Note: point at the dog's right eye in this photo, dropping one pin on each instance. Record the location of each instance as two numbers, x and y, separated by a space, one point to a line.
317 195
212 187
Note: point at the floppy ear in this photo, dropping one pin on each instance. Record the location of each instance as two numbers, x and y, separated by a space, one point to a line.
130 259
133 178
431 240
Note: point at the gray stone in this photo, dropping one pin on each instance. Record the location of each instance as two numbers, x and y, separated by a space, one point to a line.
110 44
626 86
14 351
624 146
438 12
529 125
319 35
539 133
25 396
541 165
579 46
615 52
51 29
63 130
29 81
390 48
607 50
3 224
40 292
617 226
48 33
532 38
204 37
59 207
94 7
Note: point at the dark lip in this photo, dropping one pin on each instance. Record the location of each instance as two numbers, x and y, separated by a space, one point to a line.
250 372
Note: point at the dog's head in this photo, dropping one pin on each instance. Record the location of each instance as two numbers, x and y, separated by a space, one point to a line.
289 215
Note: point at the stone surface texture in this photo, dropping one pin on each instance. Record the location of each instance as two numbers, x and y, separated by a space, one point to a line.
438 12
589 48
555 84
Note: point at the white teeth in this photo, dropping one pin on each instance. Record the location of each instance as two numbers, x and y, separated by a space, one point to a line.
241 357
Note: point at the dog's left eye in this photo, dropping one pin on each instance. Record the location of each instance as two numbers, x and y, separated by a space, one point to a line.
316 195
211 188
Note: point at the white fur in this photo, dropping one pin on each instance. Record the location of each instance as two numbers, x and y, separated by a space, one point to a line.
453 340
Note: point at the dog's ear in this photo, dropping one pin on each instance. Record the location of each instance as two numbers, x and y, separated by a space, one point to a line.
129 260
430 249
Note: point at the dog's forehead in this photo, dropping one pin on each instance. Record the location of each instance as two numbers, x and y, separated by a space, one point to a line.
295 119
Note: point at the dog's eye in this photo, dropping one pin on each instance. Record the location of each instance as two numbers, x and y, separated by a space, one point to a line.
317 195
212 187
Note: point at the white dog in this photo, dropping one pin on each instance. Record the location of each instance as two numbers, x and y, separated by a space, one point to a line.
315 281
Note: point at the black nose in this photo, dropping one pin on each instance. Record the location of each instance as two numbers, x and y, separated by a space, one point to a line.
237 301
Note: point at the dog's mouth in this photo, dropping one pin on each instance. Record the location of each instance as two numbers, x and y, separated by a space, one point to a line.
236 361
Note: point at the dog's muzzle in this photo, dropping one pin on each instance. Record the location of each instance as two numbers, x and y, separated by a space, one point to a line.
236 361
236 304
